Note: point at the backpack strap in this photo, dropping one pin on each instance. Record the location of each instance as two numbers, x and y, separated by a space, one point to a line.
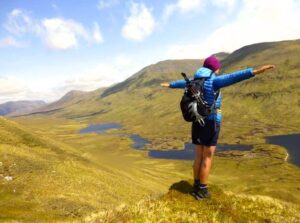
212 108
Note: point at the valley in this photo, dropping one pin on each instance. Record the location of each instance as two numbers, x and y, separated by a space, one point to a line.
92 177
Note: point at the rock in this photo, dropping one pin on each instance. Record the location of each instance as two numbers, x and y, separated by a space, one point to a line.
8 178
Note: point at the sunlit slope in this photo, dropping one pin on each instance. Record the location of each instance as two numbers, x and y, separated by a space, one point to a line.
178 206
104 173
265 105
270 103
49 180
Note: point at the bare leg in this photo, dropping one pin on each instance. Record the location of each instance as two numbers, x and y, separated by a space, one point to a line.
205 167
198 159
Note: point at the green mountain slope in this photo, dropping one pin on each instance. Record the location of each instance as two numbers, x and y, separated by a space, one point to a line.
50 173
70 99
76 175
152 75
265 105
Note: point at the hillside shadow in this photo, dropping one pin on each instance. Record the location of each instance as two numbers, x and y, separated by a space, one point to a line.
182 186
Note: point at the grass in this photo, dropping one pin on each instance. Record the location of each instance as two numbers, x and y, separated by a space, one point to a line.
69 176
98 173
178 206
73 175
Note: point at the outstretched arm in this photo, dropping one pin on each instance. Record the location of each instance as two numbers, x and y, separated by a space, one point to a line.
174 84
263 69
230 79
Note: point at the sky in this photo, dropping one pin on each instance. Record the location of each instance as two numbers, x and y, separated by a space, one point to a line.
50 47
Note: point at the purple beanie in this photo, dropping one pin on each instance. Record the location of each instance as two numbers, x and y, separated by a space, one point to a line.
212 63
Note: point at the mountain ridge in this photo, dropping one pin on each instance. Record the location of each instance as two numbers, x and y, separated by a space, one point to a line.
141 97
14 107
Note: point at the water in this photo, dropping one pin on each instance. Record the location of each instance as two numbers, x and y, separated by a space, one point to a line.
291 143
100 128
139 142
188 152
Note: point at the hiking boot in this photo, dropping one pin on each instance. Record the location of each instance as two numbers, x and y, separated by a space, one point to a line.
200 193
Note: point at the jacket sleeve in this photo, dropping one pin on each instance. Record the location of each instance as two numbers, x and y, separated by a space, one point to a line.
178 84
230 79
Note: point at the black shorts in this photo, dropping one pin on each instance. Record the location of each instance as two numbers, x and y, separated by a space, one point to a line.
205 135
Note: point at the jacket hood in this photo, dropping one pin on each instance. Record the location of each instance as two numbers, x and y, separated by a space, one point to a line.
202 72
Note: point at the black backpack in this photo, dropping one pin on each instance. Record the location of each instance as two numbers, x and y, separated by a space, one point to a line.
193 106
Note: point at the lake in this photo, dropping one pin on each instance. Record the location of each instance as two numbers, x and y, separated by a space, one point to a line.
290 142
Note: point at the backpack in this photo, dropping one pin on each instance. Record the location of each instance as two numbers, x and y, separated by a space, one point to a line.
193 106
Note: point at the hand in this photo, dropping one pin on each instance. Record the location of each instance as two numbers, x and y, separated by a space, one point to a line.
165 84
263 69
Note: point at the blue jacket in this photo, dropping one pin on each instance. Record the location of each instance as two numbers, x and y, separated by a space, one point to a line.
214 84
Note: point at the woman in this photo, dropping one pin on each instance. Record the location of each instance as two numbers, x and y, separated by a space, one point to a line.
205 137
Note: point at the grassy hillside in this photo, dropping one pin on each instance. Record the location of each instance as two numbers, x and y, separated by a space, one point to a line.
68 178
264 105
178 206
76 175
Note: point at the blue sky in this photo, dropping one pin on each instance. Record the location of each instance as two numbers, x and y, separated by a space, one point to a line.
50 47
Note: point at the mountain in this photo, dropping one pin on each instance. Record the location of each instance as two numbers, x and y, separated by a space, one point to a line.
151 75
19 106
81 177
154 74
268 103
71 98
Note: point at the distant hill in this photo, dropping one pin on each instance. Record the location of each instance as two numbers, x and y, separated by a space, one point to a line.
267 104
154 74
71 98
19 106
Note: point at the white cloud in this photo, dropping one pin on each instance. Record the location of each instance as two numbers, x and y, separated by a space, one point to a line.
103 4
62 34
183 6
56 33
86 79
228 4
97 35
256 22
18 22
189 5
10 42
13 89
139 24
123 60
102 74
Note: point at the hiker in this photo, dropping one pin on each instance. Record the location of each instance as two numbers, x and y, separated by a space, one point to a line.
205 137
